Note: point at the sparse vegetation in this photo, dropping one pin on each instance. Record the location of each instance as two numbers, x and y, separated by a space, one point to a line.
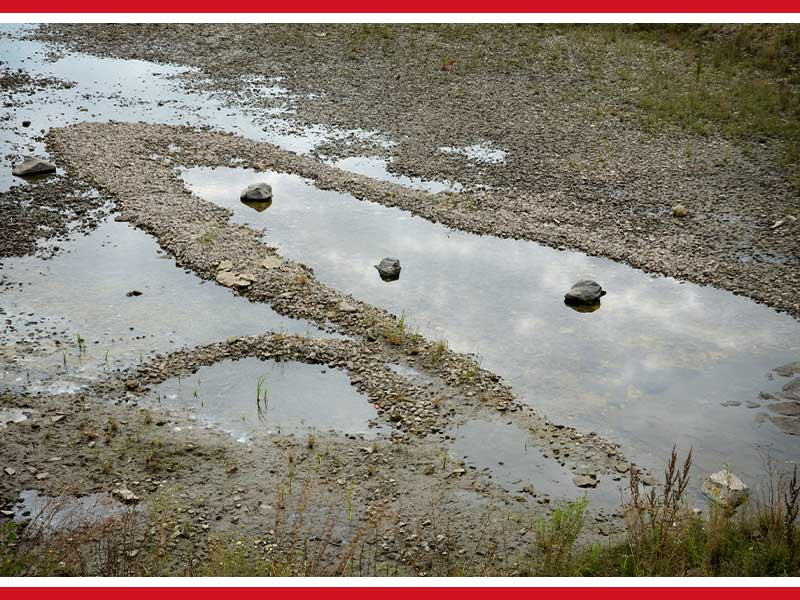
663 535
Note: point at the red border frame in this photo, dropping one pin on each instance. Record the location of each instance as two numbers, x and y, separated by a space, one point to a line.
405 6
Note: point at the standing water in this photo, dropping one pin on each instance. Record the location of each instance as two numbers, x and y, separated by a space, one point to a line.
654 366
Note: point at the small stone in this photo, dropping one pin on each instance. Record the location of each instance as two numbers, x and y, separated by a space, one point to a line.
33 166
43 475
133 293
622 467
585 481
225 265
229 279
389 269
55 419
131 384
346 307
126 496
270 262
26 123
584 292
258 192
679 211
10 471
731 403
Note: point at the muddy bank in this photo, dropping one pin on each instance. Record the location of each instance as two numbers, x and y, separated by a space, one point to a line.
528 113
388 502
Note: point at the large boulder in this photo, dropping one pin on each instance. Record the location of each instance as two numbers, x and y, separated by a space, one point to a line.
389 269
33 166
726 489
258 192
585 292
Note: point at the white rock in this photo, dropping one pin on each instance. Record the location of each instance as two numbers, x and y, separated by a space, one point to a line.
726 489
125 495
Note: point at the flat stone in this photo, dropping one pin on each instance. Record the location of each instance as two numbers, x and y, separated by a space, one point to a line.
792 389
586 292
789 369
10 471
225 265
585 481
346 307
788 425
230 279
33 166
271 262
787 409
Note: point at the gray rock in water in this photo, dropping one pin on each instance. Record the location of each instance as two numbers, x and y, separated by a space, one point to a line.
726 489
258 192
792 389
788 370
787 409
33 166
389 269
585 481
584 292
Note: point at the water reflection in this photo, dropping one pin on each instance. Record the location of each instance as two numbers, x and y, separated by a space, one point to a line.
87 290
649 370
252 395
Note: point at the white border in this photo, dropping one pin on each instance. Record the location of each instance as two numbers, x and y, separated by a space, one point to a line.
401 17
433 582
411 582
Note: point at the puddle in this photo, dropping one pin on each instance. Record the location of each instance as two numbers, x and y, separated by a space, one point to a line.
507 454
378 168
134 90
480 153
412 374
300 398
12 416
48 514
47 304
649 369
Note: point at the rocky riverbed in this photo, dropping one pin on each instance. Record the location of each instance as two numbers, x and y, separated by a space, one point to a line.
444 463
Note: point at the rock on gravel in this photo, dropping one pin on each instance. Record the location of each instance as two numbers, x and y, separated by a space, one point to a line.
123 494
389 269
33 166
584 292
